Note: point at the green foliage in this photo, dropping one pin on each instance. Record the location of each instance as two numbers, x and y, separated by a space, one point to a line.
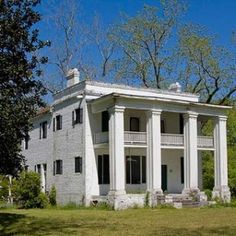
4 185
52 196
142 41
42 200
27 191
20 90
208 170
208 192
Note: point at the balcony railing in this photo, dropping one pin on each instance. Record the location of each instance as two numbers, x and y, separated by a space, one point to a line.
166 139
131 137
172 140
205 142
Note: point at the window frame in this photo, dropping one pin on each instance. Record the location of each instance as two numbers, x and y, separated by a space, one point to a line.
43 130
58 167
132 129
78 165
57 123
103 177
142 169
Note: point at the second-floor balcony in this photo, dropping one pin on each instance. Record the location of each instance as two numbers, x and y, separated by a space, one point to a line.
167 140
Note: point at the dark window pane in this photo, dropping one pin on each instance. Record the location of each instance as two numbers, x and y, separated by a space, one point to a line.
128 169
58 122
105 121
181 124
54 125
143 169
78 164
135 169
162 126
80 115
106 174
134 124
44 129
182 169
100 169
58 167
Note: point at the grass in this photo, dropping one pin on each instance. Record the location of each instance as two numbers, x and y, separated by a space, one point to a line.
199 222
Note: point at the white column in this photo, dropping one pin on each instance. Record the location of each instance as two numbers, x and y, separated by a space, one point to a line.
221 188
190 152
43 181
116 150
154 151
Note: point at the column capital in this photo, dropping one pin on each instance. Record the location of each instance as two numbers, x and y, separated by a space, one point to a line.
154 112
190 114
222 118
116 108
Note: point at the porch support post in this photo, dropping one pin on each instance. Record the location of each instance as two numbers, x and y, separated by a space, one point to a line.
154 154
42 178
190 153
116 151
221 188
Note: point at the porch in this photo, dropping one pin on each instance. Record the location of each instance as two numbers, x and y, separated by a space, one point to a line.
167 140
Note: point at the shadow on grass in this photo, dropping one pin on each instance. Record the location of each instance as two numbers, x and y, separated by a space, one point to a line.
20 224
8 219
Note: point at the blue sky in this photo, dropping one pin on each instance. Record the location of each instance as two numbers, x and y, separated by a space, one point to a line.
218 16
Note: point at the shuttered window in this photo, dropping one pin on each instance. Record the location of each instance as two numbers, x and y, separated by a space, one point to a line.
57 167
78 164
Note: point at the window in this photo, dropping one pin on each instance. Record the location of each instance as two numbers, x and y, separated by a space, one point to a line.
182 169
57 167
43 130
135 169
57 123
103 169
181 124
27 138
78 164
134 124
105 121
77 116
162 126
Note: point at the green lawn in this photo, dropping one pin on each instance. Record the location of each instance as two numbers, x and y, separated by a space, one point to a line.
211 221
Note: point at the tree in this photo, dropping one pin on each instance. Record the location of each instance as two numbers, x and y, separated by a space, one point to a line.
20 90
144 43
207 69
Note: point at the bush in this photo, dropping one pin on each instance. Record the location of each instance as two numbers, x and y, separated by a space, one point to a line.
27 191
208 192
42 200
53 196
4 183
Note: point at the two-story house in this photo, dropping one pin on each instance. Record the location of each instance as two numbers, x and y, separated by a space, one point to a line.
117 143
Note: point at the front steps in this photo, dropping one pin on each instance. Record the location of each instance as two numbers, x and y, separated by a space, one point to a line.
140 200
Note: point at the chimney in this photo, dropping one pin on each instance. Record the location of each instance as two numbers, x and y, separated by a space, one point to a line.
175 87
72 77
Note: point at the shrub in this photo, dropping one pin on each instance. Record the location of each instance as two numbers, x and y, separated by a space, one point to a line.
42 200
4 183
27 191
52 196
208 192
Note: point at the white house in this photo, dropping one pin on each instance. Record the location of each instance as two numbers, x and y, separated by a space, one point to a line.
117 143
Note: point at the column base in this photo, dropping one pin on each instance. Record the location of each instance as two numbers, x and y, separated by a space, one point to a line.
155 197
117 199
222 192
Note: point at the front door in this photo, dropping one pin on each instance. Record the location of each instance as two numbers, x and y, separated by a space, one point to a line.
164 177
